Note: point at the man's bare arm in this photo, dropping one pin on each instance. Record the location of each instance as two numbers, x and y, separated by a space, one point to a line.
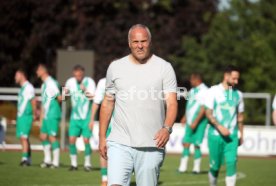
224 131
105 116
199 117
240 124
94 109
274 117
162 135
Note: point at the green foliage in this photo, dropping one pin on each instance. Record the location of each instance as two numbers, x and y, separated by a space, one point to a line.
244 36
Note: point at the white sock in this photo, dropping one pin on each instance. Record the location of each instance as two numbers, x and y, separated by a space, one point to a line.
24 159
197 165
74 162
87 161
56 157
183 164
212 179
230 180
104 178
47 153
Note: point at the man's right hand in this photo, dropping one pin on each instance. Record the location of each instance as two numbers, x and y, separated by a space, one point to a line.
224 131
103 148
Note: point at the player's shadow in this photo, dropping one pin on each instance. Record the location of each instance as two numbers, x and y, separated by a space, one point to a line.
134 183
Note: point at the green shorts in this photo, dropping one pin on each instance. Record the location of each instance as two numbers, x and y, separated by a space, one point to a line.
50 126
222 150
195 136
80 127
24 126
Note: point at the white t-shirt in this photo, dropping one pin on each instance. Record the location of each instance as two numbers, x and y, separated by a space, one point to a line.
139 111
274 103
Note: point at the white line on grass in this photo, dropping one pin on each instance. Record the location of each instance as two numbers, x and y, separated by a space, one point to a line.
240 175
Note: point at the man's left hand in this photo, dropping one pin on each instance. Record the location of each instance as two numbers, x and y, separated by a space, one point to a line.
162 137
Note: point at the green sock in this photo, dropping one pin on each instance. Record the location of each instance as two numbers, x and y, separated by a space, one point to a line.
197 154
73 149
185 152
25 155
45 142
55 145
214 172
88 150
104 171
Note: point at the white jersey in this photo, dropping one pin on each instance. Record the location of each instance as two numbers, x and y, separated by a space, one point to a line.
100 91
81 105
195 101
25 95
274 103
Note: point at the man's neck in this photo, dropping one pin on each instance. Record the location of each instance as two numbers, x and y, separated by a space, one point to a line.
44 77
225 85
142 61
23 82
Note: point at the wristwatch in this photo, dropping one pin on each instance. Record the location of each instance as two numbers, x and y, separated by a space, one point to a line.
168 128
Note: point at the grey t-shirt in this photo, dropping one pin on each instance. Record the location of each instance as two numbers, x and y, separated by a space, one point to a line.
139 104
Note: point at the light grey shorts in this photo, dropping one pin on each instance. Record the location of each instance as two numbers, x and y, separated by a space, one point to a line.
124 160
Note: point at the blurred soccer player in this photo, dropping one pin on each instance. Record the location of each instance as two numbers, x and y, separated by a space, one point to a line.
225 109
50 116
99 95
25 114
195 123
274 111
81 89
141 125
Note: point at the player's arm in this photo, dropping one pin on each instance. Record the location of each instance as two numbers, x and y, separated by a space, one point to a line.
33 102
105 116
162 136
274 117
240 124
94 109
221 129
199 117
183 120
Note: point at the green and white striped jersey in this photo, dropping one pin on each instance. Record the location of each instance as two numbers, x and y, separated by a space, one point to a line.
25 95
274 103
81 105
50 92
195 101
226 104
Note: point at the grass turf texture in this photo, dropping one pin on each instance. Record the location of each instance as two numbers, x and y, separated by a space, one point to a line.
252 171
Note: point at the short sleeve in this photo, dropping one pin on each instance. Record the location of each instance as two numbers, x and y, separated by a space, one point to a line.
210 99
169 80
110 86
100 91
91 86
30 92
201 97
241 104
274 103
52 89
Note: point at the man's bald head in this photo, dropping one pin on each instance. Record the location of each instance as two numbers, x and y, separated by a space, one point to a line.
139 27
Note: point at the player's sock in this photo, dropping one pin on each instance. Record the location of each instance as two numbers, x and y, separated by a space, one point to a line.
55 147
184 160
231 169
197 160
73 155
213 177
47 151
24 156
87 155
230 180
104 174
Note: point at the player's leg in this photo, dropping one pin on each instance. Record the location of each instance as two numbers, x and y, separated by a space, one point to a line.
216 148
46 145
54 126
103 163
24 143
147 164
186 149
120 164
74 132
197 140
29 151
231 161
86 133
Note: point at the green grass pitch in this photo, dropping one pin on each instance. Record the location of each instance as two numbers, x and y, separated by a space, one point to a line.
251 172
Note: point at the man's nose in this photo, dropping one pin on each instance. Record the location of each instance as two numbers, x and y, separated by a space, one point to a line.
140 45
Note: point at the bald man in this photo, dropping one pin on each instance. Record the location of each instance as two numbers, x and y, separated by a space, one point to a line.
139 87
